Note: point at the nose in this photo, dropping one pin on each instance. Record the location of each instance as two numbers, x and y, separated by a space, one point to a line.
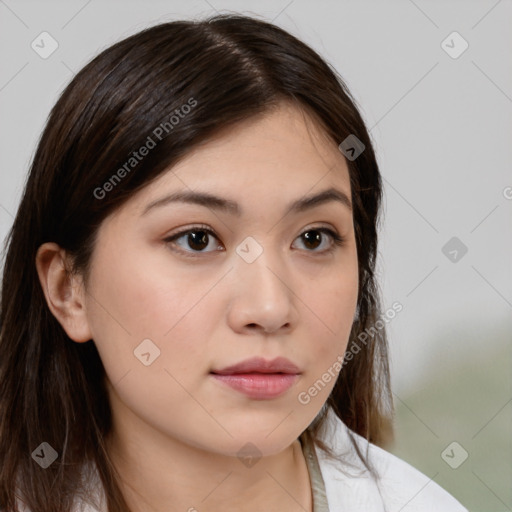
263 298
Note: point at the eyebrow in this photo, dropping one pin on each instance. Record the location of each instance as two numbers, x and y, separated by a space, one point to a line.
229 206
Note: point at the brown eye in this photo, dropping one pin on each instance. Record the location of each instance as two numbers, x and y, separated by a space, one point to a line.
313 238
195 240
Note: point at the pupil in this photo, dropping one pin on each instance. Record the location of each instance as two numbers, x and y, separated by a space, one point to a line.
309 238
195 240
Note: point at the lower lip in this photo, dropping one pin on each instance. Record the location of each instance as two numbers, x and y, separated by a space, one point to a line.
260 386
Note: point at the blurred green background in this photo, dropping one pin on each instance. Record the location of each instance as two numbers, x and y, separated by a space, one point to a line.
472 405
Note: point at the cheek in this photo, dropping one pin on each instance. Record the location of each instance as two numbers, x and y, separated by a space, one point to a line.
148 335
129 288
331 310
130 303
332 300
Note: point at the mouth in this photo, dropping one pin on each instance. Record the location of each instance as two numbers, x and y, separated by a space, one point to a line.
258 378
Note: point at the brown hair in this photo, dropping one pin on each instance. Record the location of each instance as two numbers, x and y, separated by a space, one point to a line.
232 67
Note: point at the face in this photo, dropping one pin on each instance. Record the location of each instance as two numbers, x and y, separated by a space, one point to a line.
180 290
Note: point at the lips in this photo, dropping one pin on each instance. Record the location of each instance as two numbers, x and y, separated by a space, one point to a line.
260 365
258 378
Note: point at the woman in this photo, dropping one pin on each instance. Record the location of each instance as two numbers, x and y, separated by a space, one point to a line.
189 287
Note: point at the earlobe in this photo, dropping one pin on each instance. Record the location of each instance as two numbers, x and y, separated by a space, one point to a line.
63 291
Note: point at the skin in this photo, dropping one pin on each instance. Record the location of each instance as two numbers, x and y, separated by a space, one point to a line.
176 430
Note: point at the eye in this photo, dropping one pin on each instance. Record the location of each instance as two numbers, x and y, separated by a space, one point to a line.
315 236
199 238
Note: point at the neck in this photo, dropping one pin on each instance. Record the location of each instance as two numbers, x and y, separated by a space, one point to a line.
158 470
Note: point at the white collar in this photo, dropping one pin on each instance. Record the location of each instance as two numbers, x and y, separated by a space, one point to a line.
348 483
396 485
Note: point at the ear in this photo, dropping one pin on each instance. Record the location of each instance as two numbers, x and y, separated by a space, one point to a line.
64 291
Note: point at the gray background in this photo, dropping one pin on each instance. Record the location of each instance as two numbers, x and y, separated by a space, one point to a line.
442 130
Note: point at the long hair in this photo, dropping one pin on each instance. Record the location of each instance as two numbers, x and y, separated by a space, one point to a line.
226 68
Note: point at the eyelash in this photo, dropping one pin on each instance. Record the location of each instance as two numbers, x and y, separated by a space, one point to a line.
338 240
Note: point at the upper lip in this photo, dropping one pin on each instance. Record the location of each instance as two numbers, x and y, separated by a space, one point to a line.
260 365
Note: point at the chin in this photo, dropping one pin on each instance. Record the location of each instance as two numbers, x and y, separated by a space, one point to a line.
270 436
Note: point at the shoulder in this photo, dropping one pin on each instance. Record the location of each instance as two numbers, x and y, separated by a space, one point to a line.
398 486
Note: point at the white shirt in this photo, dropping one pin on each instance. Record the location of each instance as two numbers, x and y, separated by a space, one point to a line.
348 485
400 487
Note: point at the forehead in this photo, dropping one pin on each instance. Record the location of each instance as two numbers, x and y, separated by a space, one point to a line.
278 156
